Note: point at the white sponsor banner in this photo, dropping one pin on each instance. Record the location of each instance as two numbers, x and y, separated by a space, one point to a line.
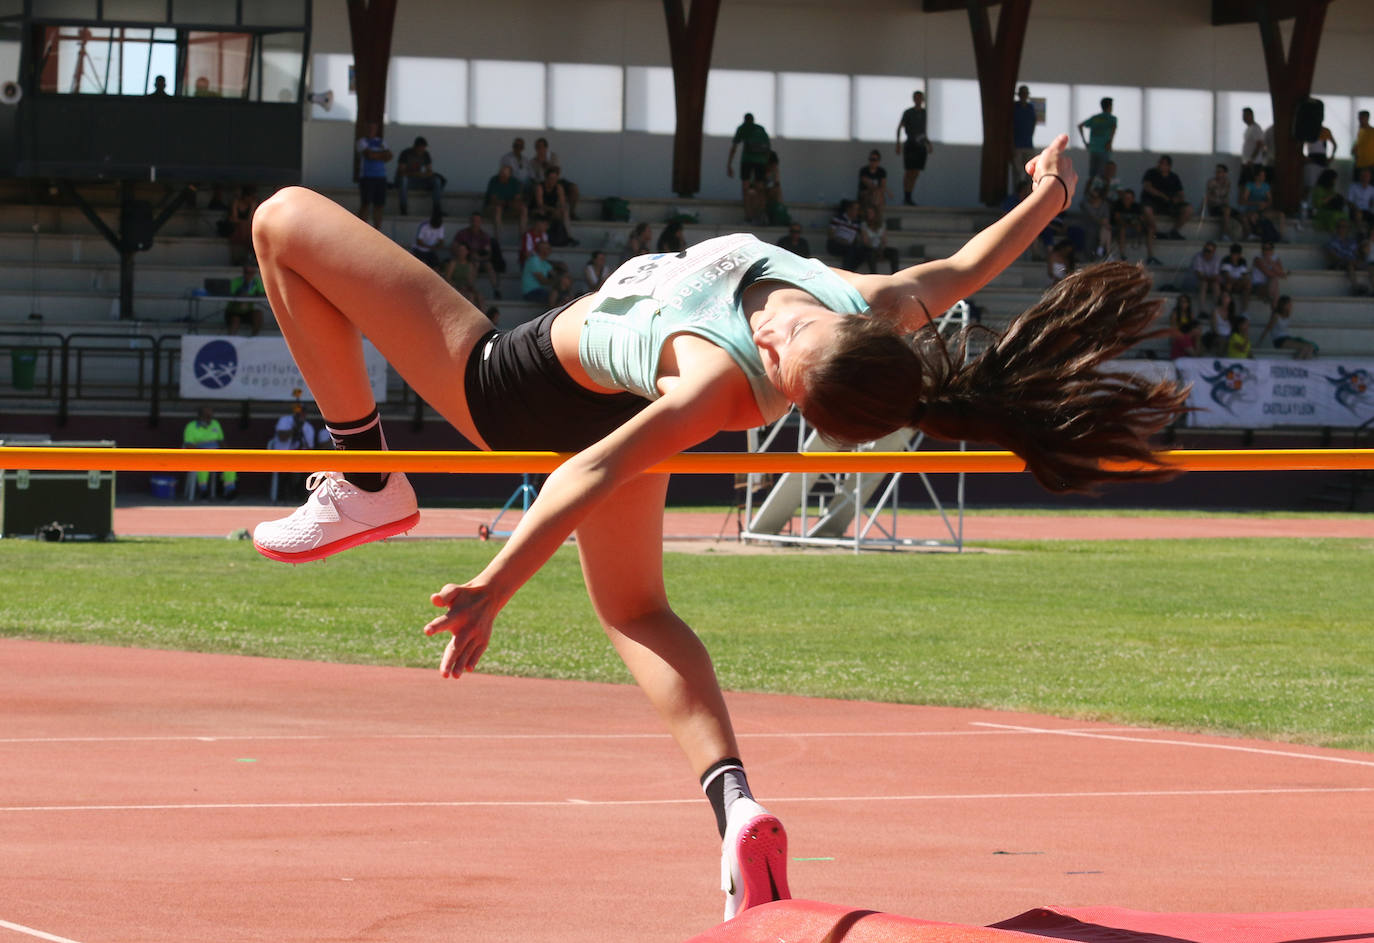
1259 394
254 368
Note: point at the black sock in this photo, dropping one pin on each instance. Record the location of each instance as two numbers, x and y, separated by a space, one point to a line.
360 435
723 783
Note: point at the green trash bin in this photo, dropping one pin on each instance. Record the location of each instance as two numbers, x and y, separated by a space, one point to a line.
23 366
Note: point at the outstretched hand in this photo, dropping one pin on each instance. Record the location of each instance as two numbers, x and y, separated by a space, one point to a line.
1053 160
470 616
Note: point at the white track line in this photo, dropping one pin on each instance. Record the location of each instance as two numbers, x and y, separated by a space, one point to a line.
1144 738
776 801
30 931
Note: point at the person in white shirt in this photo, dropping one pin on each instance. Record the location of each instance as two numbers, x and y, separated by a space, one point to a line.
1253 152
597 270
430 239
1206 267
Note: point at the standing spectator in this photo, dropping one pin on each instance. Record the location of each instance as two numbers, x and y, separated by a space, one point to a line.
1107 180
1130 222
519 166
1257 202
1216 200
482 252
1097 213
672 239
640 241
1360 196
246 285
1363 149
536 276
1323 149
1023 121
551 200
532 237
1235 278
1267 274
415 168
159 87
462 274
1185 330
205 432
372 173
241 225
795 242
917 147
597 270
1343 253
873 235
1060 262
1206 268
540 163
1253 150
1238 344
753 166
430 238
1162 192
1303 349
843 236
1327 205
1101 132
505 192
873 184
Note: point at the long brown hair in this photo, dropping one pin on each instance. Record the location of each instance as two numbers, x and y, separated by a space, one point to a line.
1037 389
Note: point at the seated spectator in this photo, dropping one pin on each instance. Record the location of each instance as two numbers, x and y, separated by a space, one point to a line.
1097 218
247 284
873 184
842 239
519 166
1360 197
1238 343
1130 222
241 225
414 168
548 198
539 164
1302 348
1218 334
430 239
1161 192
561 288
292 433
1343 253
1185 330
1060 263
672 239
873 234
532 237
1328 206
482 250
205 432
1267 274
1216 200
1261 220
537 276
1206 268
504 192
1107 180
598 269
462 274
640 241
795 242
1235 278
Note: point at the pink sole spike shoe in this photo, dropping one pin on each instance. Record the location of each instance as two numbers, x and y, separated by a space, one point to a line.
753 863
338 515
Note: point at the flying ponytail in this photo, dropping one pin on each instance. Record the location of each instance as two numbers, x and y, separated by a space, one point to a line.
1036 389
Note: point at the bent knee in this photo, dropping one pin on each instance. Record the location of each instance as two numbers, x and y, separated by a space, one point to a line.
280 217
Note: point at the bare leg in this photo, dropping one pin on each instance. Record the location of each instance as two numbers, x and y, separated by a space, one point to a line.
621 546
331 279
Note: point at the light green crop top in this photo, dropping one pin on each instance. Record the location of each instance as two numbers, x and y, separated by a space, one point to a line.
699 291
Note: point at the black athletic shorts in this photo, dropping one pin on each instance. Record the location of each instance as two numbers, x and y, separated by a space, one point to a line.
749 170
520 397
914 155
372 190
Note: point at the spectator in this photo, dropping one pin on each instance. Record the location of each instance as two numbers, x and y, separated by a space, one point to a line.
795 242
482 250
672 239
1130 222
1101 132
1218 335
561 286
1343 253
372 173
536 276
1216 200
639 242
505 192
1185 330
597 270
204 432
292 433
1363 149
1238 344
414 168
1302 348
1060 262
873 234
247 284
462 274
1162 192
1108 181
873 184
917 147
1360 196
202 88
753 166
519 166
1253 151
772 193
1256 201
1206 268
1318 152
1235 278
1013 199
159 87
550 199
1267 274
1023 121
842 238
430 238
1328 206
1097 213
542 160
532 237
241 225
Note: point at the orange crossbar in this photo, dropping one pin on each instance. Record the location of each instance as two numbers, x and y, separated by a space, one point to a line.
59 458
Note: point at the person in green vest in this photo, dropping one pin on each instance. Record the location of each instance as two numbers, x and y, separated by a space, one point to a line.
753 166
248 286
204 432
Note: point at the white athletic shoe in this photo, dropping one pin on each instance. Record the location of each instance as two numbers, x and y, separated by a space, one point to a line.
753 858
336 516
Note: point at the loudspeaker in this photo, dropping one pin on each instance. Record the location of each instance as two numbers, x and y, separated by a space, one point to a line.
1307 119
136 225
10 93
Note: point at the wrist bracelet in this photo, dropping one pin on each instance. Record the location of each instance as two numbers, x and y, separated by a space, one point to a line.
1061 183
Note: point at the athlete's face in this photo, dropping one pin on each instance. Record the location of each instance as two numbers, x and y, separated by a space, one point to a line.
790 340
